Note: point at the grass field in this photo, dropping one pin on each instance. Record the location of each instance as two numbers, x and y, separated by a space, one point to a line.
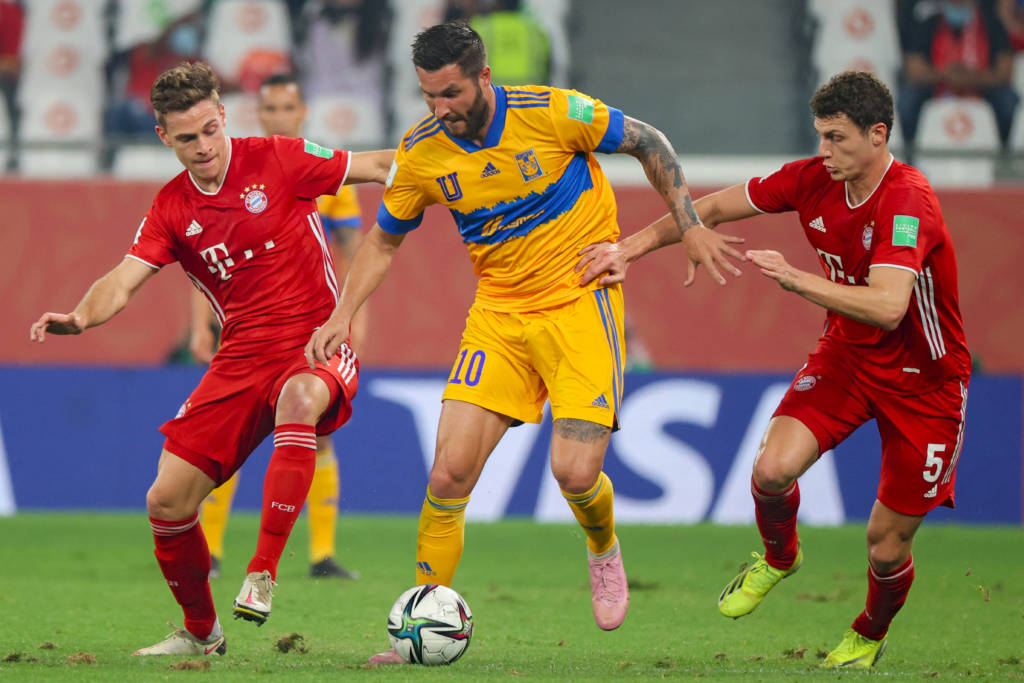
88 583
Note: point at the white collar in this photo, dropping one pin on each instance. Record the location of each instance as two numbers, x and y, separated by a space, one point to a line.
226 167
846 186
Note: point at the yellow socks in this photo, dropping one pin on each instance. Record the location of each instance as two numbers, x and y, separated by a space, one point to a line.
214 514
440 539
593 510
322 505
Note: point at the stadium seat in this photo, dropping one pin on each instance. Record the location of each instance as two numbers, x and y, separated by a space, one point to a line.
145 162
242 117
238 27
138 23
58 163
74 23
856 34
345 121
957 124
55 116
60 68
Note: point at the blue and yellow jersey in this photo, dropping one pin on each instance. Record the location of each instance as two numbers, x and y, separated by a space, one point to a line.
525 202
340 210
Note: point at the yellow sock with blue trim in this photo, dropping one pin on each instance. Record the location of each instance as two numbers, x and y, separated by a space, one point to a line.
593 510
322 505
440 539
214 514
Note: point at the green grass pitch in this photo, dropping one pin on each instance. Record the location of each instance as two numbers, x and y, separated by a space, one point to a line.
88 583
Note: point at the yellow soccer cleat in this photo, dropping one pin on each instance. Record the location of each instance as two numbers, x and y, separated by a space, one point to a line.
744 593
855 651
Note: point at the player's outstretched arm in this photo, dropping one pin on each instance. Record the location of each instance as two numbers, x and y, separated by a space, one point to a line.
105 299
683 224
882 303
370 167
369 266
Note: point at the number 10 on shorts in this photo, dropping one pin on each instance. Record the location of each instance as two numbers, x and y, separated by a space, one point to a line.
473 369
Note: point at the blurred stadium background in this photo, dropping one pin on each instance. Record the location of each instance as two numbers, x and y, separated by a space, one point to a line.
727 81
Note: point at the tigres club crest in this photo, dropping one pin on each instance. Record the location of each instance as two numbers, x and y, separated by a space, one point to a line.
865 237
255 198
528 165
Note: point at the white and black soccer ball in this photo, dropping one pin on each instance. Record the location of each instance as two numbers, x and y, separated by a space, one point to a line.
431 625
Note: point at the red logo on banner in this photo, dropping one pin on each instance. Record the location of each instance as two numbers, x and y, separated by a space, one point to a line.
859 24
341 119
60 118
959 125
251 17
66 15
63 60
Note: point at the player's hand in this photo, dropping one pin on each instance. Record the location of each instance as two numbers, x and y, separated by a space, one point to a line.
326 341
774 265
56 323
201 343
602 257
710 249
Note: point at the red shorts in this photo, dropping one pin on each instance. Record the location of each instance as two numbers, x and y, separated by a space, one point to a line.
921 434
232 410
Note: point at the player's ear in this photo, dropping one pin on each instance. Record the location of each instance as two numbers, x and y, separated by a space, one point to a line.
485 77
162 134
877 134
223 116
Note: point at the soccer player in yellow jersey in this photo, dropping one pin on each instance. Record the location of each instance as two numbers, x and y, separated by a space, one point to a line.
282 111
516 168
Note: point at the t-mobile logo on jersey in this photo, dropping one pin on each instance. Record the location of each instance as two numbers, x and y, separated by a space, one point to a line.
834 265
282 507
216 264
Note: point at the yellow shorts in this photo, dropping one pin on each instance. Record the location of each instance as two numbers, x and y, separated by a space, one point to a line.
573 354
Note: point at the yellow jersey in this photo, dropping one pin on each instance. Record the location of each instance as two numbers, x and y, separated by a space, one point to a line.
340 210
525 202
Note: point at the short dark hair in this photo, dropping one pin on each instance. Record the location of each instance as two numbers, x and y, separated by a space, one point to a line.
453 42
283 79
860 95
182 87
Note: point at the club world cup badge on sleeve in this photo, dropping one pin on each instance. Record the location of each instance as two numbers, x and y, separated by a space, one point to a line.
255 199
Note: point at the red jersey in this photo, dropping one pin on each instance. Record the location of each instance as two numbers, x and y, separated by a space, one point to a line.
899 225
255 247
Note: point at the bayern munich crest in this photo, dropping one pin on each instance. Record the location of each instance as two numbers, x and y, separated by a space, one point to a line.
255 199
804 383
865 237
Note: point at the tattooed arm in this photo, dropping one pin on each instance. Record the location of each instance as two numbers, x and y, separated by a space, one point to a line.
650 146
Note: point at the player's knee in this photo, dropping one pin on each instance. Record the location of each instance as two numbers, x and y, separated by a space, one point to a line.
574 477
888 553
771 471
163 502
298 405
448 482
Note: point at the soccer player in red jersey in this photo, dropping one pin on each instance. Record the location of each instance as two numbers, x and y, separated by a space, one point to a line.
893 347
242 222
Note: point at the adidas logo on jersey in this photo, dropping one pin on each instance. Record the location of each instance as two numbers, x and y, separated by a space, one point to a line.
818 224
193 229
489 170
933 491
600 402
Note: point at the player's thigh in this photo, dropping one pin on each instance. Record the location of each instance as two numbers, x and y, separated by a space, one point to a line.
826 402
577 453
492 369
178 489
922 436
466 436
302 400
321 396
787 450
579 351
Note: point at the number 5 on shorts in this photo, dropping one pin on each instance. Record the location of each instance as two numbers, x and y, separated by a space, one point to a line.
933 461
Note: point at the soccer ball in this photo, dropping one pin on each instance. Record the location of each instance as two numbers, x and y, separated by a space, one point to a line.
430 624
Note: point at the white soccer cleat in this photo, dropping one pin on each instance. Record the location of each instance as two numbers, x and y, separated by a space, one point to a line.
181 642
253 601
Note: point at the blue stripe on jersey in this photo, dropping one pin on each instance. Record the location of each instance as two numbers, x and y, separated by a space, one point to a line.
493 132
426 121
526 106
524 96
335 223
427 132
519 217
396 226
613 135
526 93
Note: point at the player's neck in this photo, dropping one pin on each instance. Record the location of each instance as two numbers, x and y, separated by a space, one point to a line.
862 187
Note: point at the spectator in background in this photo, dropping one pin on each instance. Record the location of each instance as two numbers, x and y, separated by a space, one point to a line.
956 47
1011 13
12 24
135 71
518 47
345 48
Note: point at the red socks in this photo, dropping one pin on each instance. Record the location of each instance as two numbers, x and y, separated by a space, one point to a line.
285 487
886 595
776 520
184 559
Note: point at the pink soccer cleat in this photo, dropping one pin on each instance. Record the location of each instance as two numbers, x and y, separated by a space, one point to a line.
387 657
609 588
